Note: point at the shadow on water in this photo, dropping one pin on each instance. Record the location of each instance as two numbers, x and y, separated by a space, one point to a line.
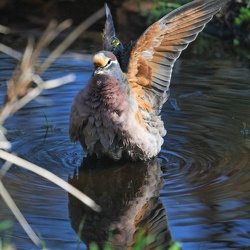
129 196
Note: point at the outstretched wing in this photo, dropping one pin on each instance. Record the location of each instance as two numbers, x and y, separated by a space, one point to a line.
156 51
109 31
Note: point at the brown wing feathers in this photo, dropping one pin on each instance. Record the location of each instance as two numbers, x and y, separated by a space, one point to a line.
162 43
139 72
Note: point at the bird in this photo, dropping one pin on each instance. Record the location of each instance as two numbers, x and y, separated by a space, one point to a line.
117 115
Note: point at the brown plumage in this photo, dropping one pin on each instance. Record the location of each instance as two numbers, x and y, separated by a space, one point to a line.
117 114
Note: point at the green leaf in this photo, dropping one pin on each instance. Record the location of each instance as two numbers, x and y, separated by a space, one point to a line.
175 246
93 246
5 225
236 42
244 125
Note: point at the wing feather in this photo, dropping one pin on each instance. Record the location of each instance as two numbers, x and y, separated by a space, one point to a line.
162 60
161 44
109 31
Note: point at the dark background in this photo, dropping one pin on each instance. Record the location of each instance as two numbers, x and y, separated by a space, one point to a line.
30 18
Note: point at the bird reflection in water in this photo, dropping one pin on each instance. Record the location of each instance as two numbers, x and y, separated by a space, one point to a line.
128 194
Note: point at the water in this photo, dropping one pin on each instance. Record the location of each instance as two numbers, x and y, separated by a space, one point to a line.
197 192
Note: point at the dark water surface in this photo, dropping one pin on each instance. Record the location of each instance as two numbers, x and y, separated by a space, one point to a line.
197 192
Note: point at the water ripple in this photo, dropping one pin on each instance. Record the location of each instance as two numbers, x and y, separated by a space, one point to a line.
205 157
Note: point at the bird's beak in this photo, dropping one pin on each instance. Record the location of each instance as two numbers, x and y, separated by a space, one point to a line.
97 69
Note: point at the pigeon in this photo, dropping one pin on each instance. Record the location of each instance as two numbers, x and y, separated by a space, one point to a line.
117 114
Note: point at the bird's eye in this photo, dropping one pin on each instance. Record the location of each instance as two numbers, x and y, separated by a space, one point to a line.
108 63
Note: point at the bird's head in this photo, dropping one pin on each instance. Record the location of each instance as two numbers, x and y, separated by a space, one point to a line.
106 63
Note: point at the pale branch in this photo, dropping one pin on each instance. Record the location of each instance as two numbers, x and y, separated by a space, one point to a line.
70 39
14 209
19 93
49 176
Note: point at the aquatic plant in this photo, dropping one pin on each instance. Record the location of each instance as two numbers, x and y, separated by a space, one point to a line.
49 127
141 241
245 131
5 225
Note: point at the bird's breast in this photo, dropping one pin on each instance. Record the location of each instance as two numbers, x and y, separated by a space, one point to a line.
112 123
107 94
